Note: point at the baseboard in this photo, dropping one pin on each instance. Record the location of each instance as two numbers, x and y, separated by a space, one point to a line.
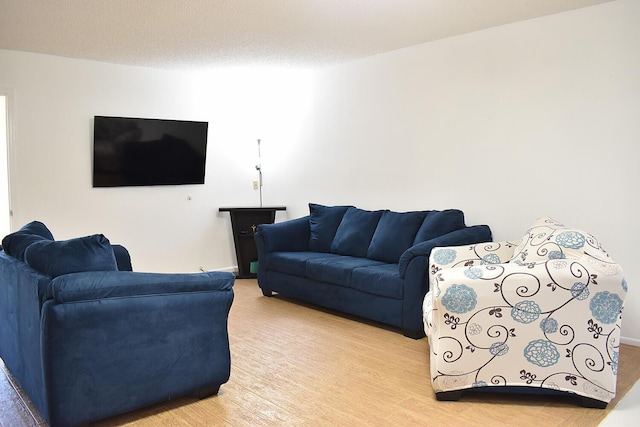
630 341
233 269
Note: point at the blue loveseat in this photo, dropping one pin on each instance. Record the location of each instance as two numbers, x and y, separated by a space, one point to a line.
87 338
372 264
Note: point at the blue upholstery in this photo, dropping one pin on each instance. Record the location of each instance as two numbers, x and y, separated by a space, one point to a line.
88 345
15 244
294 262
438 223
90 285
323 222
123 260
55 258
383 280
280 242
376 268
34 227
355 231
482 233
336 270
394 235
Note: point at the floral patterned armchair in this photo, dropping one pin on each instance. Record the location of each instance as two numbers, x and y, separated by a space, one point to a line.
541 313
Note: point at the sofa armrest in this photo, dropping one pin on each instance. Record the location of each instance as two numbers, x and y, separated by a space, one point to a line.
95 285
287 236
465 236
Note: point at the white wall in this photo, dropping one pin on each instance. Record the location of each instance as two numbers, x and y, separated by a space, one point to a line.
55 101
511 123
5 218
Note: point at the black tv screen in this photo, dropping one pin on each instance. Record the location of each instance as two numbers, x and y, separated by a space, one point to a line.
133 151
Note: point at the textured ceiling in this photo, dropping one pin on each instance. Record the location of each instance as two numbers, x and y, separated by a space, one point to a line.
176 34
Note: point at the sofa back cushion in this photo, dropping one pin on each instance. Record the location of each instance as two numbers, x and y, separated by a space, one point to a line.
355 231
15 244
394 234
323 223
55 258
123 259
438 223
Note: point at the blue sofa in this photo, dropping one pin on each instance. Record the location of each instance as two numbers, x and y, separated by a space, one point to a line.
87 338
372 264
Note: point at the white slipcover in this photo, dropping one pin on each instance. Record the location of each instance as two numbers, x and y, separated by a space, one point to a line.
543 312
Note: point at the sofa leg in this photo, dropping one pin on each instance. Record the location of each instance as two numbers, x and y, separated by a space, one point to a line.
266 292
587 402
205 392
449 396
416 335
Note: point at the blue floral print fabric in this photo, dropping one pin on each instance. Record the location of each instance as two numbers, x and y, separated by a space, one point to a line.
542 312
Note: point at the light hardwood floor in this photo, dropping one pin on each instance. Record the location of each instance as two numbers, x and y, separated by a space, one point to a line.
293 365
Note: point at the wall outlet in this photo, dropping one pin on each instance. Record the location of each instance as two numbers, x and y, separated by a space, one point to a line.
255 185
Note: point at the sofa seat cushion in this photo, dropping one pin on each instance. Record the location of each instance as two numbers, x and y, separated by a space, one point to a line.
383 280
336 269
55 258
355 231
294 263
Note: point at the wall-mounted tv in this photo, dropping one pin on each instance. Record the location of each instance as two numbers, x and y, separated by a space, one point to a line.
134 151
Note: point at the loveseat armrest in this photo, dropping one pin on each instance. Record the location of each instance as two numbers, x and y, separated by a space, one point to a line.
464 236
95 285
286 236
126 340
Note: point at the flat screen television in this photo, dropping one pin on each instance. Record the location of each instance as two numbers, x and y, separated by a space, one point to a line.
134 151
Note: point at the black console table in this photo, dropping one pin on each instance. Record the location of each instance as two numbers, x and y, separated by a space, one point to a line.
244 222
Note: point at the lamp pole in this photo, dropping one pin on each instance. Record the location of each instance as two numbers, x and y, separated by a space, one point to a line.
259 169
